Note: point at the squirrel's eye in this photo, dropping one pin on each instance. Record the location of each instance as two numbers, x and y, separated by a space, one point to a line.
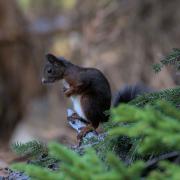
49 71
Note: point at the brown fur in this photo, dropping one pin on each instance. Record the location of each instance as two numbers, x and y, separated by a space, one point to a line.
90 83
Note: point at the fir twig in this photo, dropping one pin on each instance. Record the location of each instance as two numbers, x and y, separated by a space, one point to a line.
171 95
32 148
172 59
159 131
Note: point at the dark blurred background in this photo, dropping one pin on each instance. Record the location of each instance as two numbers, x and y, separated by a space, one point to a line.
123 38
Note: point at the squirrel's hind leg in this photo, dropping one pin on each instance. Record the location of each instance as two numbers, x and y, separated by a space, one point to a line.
85 130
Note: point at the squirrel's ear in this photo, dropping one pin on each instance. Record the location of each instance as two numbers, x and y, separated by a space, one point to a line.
51 58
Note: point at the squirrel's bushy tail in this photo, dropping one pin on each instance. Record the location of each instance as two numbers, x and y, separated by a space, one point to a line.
129 92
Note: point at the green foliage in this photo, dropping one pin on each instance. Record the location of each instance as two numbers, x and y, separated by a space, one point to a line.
172 59
36 151
168 171
172 95
156 126
151 130
32 148
36 172
88 166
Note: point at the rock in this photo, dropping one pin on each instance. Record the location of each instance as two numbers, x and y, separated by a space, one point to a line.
90 138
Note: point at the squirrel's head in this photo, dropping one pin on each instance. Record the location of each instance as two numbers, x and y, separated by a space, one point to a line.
54 69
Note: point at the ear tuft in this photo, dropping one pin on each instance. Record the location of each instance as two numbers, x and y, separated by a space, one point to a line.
51 58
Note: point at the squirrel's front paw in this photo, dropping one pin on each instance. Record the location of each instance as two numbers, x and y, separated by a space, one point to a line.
68 92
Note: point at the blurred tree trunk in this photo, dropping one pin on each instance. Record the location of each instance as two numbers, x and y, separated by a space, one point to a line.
19 67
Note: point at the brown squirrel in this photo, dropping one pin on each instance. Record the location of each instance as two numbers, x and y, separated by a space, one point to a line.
88 89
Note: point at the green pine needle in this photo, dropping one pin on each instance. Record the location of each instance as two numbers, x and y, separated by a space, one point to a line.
172 59
32 148
172 95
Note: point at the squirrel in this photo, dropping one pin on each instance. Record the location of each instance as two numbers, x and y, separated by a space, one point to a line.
88 89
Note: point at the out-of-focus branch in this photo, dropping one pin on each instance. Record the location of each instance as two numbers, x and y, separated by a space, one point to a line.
40 28
46 27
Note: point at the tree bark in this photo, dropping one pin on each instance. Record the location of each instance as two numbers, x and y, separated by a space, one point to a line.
19 67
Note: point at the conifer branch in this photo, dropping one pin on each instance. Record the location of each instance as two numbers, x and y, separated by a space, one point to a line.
172 59
171 95
31 148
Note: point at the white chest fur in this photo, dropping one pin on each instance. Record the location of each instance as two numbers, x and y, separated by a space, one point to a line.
76 100
65 84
